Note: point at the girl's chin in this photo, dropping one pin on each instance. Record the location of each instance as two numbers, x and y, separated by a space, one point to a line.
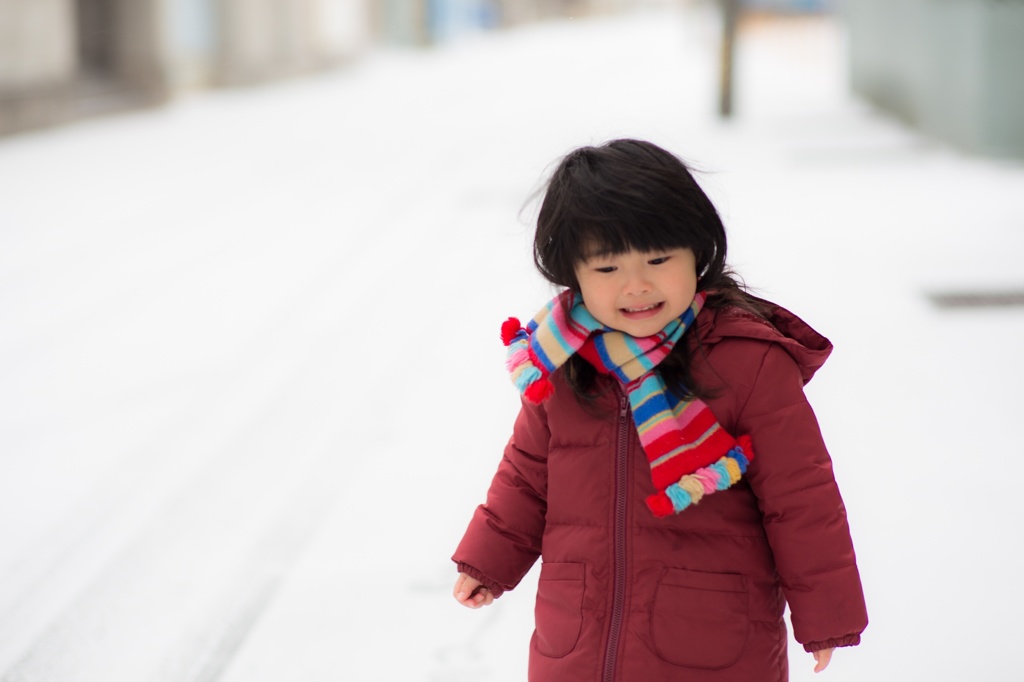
641 328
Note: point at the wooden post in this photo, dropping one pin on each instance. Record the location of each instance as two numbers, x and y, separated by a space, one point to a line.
730 10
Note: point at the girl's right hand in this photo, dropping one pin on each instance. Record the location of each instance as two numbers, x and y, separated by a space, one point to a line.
471 593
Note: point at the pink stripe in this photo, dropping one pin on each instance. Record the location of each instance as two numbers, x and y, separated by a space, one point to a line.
572 331
658 430
690 412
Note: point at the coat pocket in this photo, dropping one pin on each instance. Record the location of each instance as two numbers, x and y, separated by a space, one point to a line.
559 610
700 620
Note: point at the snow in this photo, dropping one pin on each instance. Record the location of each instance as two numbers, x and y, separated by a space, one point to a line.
252 387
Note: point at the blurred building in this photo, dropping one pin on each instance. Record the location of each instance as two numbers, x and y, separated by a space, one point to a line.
62 60
426 22
953 68
789 6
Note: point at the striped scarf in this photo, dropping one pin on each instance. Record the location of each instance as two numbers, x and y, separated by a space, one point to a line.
690 454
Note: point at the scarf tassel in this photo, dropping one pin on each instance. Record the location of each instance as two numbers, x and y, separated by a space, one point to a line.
530 378
691 488
538 391
510 330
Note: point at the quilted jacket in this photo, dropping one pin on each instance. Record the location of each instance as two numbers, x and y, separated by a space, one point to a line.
624 596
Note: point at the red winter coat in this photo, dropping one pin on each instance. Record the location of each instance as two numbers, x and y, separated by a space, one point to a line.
697 596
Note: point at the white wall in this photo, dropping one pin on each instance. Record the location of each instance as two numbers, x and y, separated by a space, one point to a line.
37 42
341 27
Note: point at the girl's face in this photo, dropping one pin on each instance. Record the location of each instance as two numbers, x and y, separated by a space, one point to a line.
638 293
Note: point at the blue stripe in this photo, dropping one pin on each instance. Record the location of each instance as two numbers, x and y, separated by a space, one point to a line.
677 404
541 356
638 353
648 386
647 417
672 329
687 319
565 345
583 317
649 408
606 360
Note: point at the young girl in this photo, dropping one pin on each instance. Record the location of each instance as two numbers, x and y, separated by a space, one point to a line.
665 464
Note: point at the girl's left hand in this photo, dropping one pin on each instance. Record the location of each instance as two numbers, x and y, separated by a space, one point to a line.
822 658
471 593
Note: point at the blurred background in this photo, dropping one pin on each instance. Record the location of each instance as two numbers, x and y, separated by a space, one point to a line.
950 68
254 255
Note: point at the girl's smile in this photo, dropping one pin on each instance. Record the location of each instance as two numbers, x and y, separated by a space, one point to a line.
641 313
638 293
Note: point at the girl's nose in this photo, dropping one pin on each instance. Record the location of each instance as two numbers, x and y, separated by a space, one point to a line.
637 285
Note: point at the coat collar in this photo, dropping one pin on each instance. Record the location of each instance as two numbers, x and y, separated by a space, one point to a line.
807 347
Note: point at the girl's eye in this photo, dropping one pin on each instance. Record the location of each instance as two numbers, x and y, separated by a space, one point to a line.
605 269
658 261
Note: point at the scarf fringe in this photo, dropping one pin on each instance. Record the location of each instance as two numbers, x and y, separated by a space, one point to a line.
691 488
510 329
528 375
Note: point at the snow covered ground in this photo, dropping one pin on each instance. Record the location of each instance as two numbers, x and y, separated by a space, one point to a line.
252 386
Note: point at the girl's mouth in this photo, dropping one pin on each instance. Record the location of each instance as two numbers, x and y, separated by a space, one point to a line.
642 312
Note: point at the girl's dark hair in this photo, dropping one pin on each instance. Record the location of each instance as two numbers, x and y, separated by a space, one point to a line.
633 195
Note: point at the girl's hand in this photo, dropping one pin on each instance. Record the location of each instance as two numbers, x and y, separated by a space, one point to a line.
822 658
471 593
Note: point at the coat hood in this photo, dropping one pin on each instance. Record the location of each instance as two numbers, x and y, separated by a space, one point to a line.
808 348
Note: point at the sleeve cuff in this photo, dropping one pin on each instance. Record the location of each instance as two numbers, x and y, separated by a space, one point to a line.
834 643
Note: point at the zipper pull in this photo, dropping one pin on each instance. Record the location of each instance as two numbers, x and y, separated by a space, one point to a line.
623 406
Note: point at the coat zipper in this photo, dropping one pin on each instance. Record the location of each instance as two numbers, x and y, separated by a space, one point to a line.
621 508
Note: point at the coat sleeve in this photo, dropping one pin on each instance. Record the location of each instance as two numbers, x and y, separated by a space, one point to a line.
503 539
803 512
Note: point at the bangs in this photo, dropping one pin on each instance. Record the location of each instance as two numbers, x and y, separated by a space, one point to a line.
615 237
612 232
